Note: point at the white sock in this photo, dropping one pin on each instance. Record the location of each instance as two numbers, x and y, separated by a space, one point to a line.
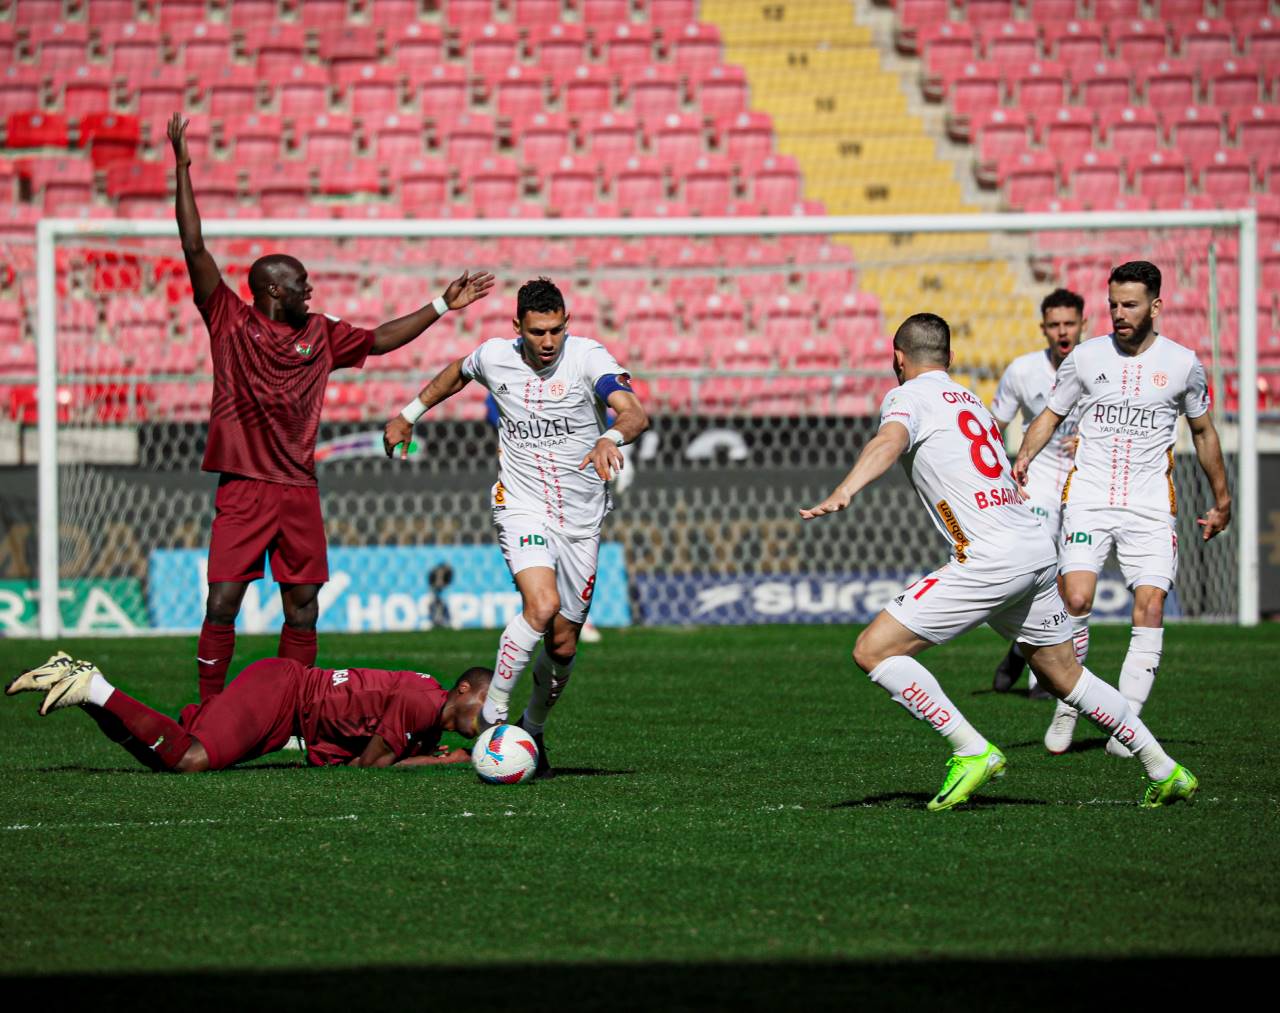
514 649
914 687
1141 664
1080 635
549 681
1103 704
99 690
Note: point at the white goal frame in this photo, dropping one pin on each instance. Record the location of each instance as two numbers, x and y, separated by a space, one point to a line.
50 230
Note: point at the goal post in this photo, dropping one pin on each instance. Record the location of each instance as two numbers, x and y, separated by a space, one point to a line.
52 233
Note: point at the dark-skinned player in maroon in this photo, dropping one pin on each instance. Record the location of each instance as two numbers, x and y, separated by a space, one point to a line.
358 717
271 363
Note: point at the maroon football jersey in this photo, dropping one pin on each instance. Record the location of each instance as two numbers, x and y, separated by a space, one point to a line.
268 387
339 710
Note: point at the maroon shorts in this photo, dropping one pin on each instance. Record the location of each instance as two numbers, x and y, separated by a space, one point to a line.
255 519
253 716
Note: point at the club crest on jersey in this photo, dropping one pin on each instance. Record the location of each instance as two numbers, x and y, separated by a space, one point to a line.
556 390
1160 379
303 348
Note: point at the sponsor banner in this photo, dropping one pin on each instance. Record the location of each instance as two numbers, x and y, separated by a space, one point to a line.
87 606
382 588
811 598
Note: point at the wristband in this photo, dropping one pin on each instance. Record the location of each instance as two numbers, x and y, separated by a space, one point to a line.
613 434
413 411
439 305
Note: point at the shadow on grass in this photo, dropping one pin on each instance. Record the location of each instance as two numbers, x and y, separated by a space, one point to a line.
590 772
895 798
776 986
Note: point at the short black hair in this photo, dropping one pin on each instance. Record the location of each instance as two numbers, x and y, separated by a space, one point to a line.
1137 270
924 338
477 675
1062 298
538 296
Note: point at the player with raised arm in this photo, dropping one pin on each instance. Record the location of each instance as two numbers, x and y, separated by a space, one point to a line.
271 363
1128 389
360 717
1002 571
1024 387
552 389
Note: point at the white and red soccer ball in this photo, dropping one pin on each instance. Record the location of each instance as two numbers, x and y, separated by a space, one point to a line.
505 754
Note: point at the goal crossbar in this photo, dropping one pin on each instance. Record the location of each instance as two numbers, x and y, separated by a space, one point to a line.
50 230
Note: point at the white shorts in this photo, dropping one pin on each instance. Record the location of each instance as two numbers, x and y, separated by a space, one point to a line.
953 600
1146 546
1044 497
527 541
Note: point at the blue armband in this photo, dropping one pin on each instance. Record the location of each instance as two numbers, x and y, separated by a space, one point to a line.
611 383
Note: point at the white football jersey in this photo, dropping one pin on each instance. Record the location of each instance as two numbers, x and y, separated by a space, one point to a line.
1025 388
957 463
1128 410
549 420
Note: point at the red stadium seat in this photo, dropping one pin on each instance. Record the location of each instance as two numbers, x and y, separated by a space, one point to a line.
946 45
443 91
776 184
819 352
708 184
38 12
468 12
1133 129
1161 174
20 89
423 185
613 137
638 184
1075 42
303 91
1169 84
36 130
493 184
204 49
558 48
1113 10
985 11
469 138
371 90
59 45
342 43
1224 174
493 50
672 354
604 13
1000 133
1067 130
131 46
109 137
1137 41
177 16
1257 128
254 139
56 183
521 92
722 91
588 90
137 183
536 13
1104 85
696 49
159 93
353 178
232 91
670 16
653 91
677 138
1028 177
1097 178
1046 12
416 48
284 191
276 49
627 45
1260 37
1195 129
1204 39
1010 41
249 17
85 90
544 138
922 12
973 87
1233 83
325 139
742 353
747 137
99 13
571 184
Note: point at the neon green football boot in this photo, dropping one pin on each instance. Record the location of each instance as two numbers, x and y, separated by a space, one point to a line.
965 775
1180 786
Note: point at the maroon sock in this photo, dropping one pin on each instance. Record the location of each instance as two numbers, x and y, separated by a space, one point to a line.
213 657
297 645
163 736
114 729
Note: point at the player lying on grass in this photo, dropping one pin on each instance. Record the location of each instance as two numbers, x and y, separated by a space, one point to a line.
1003 571
360 717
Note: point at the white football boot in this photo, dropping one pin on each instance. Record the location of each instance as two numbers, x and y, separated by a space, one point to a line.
1057 738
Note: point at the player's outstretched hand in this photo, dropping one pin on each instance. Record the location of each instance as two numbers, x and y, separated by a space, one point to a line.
465 290
398 433
605 457
177 131
833 504
1215 521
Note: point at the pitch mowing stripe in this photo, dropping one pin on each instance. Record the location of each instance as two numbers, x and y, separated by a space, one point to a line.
405 817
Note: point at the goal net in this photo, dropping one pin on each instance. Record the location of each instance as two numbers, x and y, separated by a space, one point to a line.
762 347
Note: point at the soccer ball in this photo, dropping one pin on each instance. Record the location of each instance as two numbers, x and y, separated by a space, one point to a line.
505 754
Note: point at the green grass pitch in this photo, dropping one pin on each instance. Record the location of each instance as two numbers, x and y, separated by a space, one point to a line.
739 821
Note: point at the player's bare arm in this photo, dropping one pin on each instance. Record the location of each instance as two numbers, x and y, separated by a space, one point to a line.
201 266
443 386
376 754
441 756
1038 434
461 293
1209 452
630 421
877 457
